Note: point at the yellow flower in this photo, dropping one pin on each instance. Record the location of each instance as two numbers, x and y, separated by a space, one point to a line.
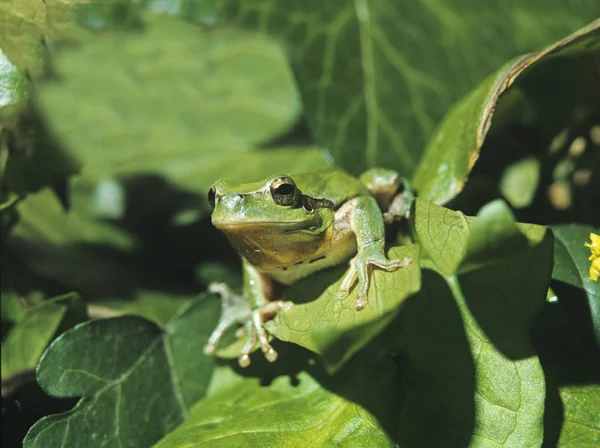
594 247
595 270
595 257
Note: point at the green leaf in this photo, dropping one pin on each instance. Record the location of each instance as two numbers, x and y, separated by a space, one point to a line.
26 341
494 235
498 301
169 99
137 383
154 306
571 364
455 145
43 219
571 266
376 77
322 323
13 307
279 415
23 24
30 26
14 89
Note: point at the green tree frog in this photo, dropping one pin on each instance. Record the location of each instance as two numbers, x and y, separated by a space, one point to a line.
287 227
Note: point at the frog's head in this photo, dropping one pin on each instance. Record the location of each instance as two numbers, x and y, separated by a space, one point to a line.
271 223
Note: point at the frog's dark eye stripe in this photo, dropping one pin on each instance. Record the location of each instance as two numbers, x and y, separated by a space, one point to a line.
312 203
284 191
211 197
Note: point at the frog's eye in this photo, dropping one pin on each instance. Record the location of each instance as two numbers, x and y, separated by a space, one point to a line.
211 197
283 190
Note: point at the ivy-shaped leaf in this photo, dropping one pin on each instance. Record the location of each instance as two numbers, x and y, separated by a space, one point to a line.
137 380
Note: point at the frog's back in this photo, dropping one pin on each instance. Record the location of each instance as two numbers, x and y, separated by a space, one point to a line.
334 185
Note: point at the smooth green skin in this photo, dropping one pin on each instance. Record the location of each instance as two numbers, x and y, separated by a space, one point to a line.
332 217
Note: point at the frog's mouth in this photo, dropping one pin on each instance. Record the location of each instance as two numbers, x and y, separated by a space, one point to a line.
307 226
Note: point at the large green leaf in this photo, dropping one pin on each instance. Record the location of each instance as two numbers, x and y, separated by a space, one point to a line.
454 147
376 77
498 300
571 266
295 402
304 414
137 383
27 340
169 99
323 323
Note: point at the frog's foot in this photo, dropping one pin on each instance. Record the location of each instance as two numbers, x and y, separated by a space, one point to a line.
235 309
360 268
255 331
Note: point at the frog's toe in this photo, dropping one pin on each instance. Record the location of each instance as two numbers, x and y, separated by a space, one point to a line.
244 360
209 349
392 265
257 334
347 282
361 302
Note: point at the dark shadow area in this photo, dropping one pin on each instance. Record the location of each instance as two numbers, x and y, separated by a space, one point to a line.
310 288
164 258
576 305
23 408
568 357
502 149
507 296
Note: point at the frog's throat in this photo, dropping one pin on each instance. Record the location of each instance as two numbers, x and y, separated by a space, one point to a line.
277 249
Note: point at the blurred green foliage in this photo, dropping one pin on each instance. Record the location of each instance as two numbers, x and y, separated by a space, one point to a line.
116 118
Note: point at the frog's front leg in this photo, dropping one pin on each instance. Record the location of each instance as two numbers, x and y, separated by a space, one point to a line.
252 310
367 223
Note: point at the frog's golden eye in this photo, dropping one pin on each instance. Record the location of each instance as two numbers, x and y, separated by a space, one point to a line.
284 191
211 197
